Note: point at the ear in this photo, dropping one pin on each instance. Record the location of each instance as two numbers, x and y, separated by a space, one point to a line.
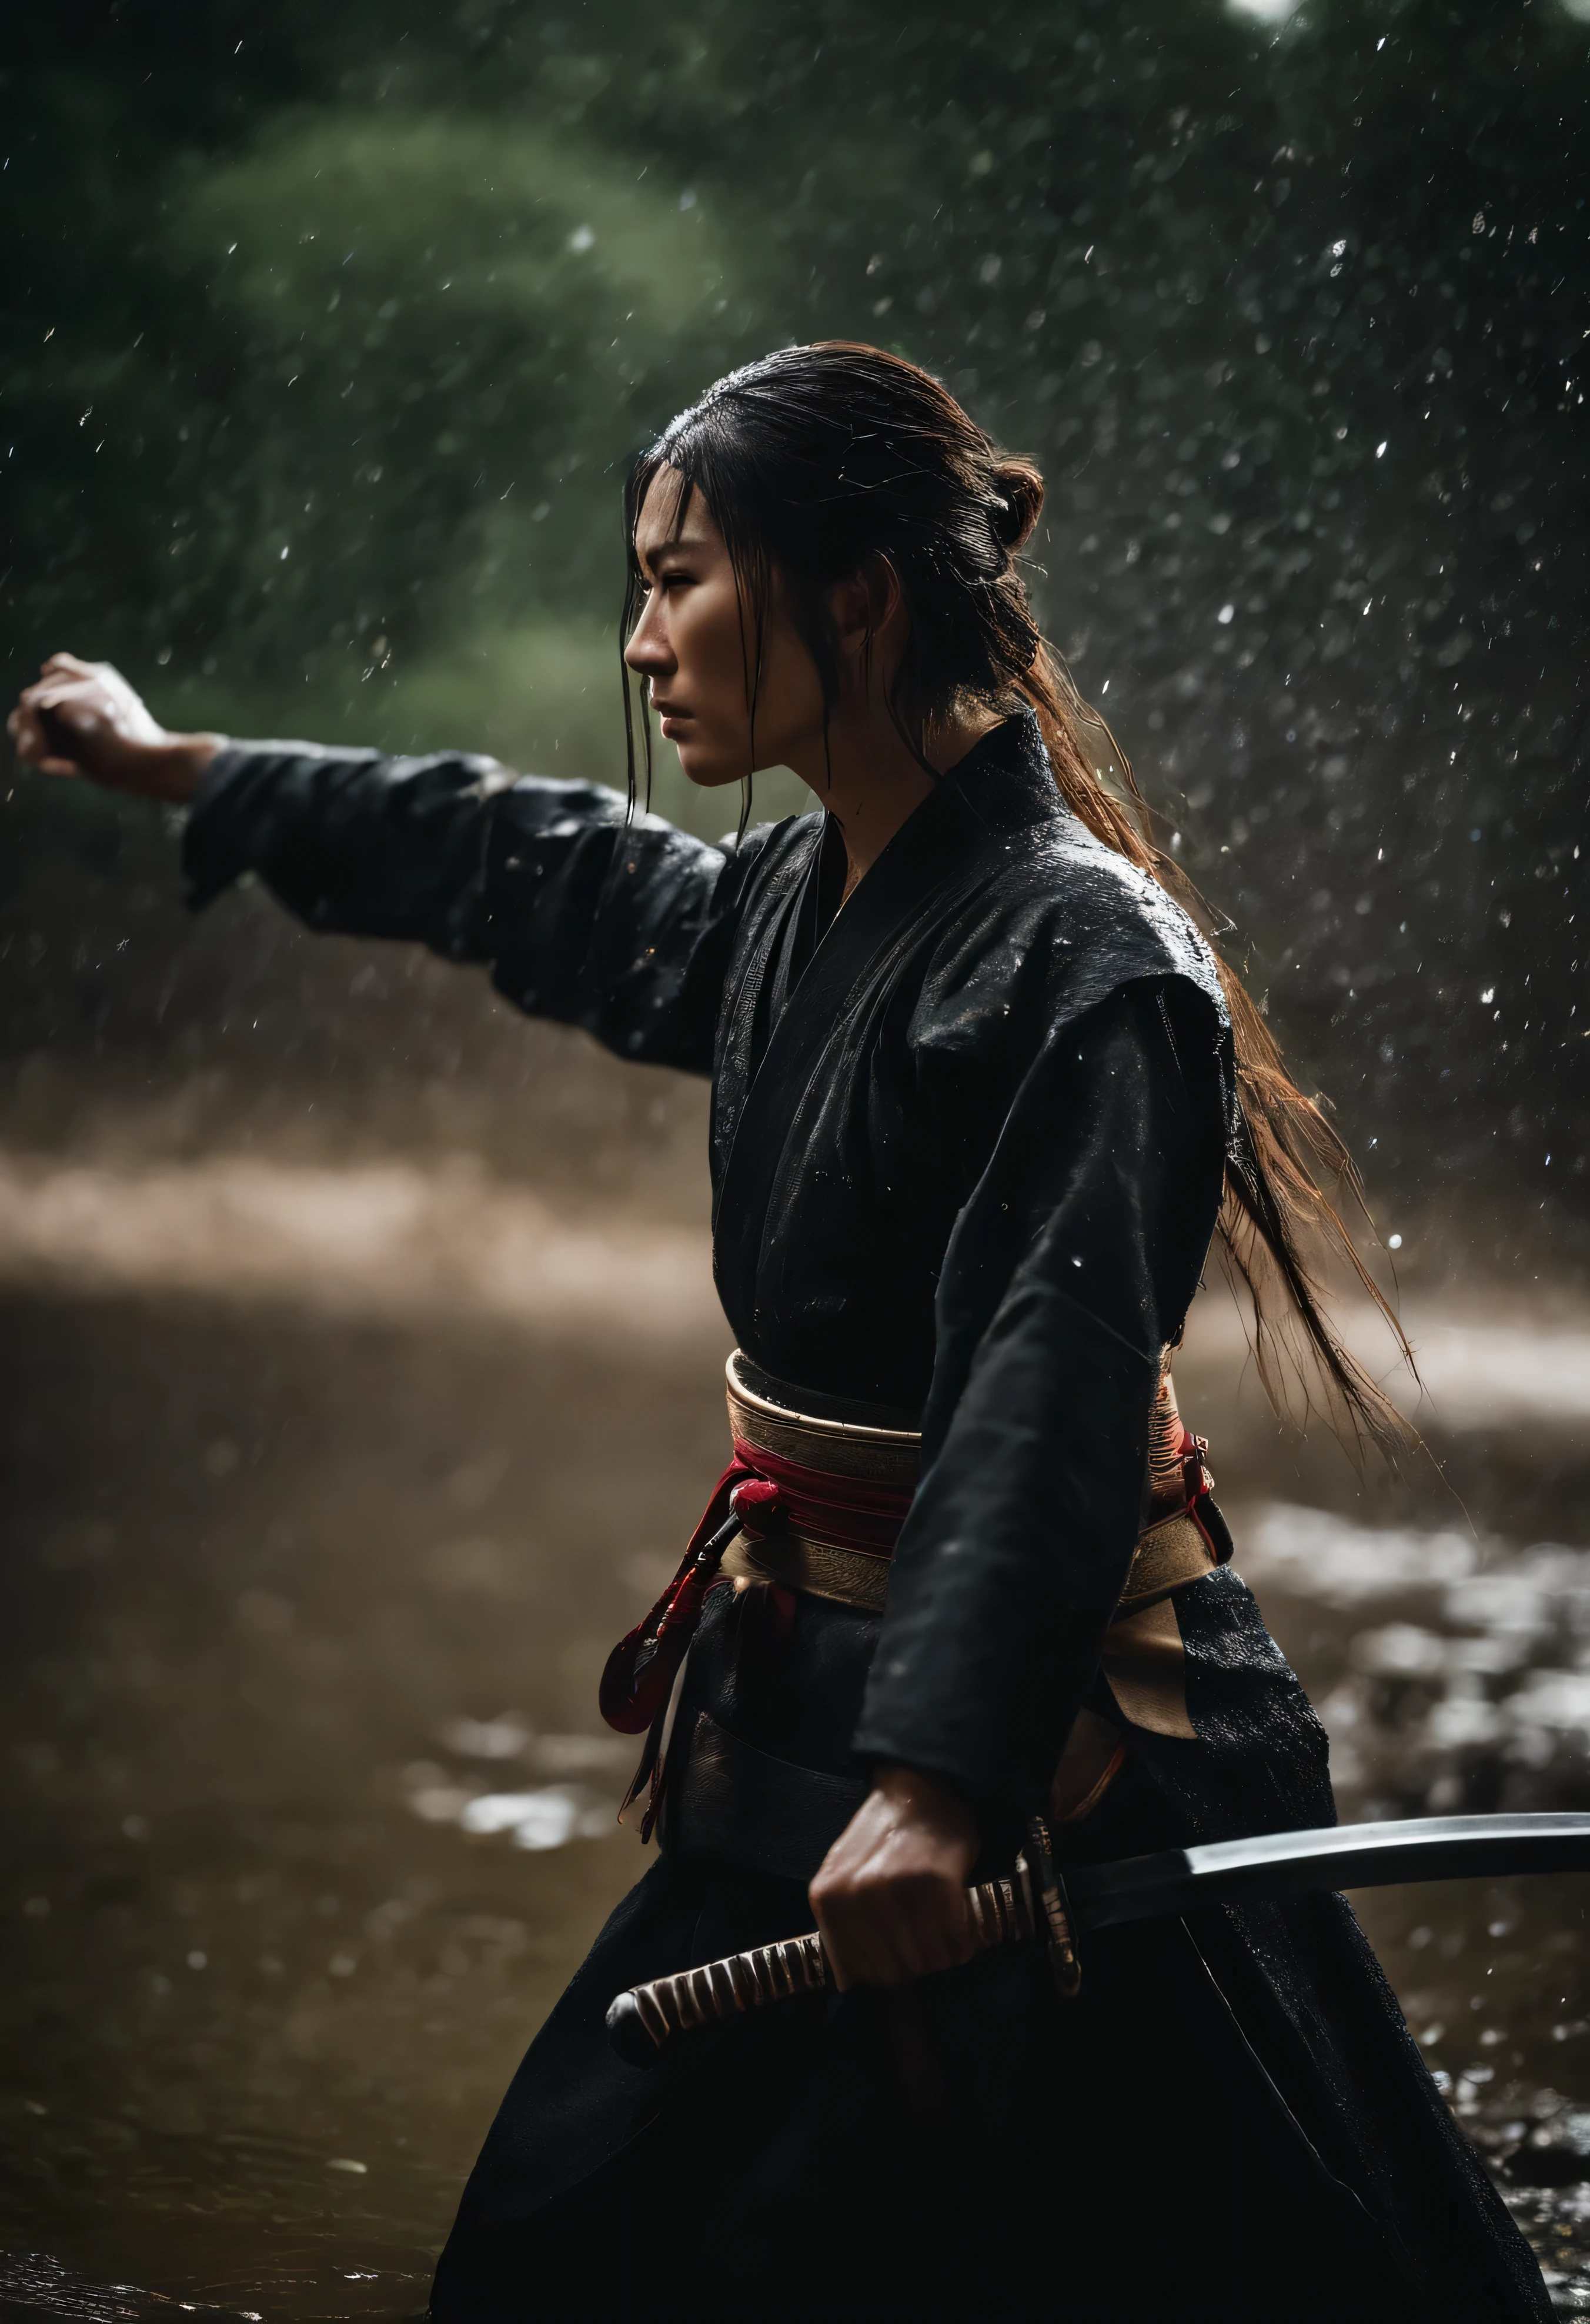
862 607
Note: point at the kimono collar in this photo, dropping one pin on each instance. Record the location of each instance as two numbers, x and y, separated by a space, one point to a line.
939 856
1006 774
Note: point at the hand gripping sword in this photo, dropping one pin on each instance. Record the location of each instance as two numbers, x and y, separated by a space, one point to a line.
1273 1864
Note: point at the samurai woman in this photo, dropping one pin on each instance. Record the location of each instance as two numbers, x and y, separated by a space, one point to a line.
982 1097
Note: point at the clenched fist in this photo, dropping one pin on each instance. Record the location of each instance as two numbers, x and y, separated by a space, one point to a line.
83 718
890 1894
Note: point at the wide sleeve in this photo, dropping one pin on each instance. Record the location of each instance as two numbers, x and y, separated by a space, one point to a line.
622 927
1069 1269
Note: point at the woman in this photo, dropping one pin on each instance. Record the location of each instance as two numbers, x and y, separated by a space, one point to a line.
979 1108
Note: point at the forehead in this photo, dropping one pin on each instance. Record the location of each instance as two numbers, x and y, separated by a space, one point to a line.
673 515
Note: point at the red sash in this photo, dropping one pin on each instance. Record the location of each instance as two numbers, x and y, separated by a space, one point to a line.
757 1490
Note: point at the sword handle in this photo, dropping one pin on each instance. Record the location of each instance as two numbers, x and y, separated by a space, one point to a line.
644 2020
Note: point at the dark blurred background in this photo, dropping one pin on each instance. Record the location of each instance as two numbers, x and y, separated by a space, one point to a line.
328 333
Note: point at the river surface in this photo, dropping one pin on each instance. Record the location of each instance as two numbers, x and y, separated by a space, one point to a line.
326 1493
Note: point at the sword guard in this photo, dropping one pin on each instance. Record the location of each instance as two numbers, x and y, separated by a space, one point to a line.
1053 1912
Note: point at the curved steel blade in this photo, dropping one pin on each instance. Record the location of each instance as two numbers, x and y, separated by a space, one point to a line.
1337 1856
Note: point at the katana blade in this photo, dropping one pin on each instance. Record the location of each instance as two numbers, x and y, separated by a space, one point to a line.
1277 1864
1259 1869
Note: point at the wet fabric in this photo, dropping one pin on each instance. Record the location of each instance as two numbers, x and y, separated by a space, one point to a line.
973 2149
966 1147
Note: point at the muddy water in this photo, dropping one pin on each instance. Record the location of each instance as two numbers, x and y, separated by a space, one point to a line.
311 1569
258 2008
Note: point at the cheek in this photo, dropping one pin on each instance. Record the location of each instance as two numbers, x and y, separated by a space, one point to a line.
791 699
707 640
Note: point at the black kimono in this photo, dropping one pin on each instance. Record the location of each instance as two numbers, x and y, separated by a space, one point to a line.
968 1141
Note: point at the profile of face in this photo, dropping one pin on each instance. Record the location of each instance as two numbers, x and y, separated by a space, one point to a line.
694 645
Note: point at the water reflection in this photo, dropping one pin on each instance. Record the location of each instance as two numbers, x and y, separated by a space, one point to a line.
238 1960
550 1815
1474 1694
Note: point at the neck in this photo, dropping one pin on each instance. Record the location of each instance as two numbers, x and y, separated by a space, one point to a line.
869 781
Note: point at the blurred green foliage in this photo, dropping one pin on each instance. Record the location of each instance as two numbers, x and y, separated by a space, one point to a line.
331 331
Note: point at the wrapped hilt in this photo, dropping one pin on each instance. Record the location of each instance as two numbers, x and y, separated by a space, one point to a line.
643 2021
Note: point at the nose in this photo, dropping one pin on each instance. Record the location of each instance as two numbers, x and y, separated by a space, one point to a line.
649 651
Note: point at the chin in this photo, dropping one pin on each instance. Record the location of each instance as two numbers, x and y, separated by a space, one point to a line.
706 767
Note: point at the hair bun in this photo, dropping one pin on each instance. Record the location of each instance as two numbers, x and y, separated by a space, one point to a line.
1020 504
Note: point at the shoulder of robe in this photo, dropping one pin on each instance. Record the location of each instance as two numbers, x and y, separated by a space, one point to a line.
776 842
1065 923
558 809
760 866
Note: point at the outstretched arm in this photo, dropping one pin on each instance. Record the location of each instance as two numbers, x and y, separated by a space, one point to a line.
621 926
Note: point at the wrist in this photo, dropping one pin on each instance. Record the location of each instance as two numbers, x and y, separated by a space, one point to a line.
926 1799
176 766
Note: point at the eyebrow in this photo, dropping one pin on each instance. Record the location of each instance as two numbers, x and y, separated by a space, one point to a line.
654 556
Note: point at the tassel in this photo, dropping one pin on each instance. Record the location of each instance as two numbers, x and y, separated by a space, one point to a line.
640 1674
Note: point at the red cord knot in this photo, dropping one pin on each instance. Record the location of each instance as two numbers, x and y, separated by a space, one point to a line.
755 1502
1195 1473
